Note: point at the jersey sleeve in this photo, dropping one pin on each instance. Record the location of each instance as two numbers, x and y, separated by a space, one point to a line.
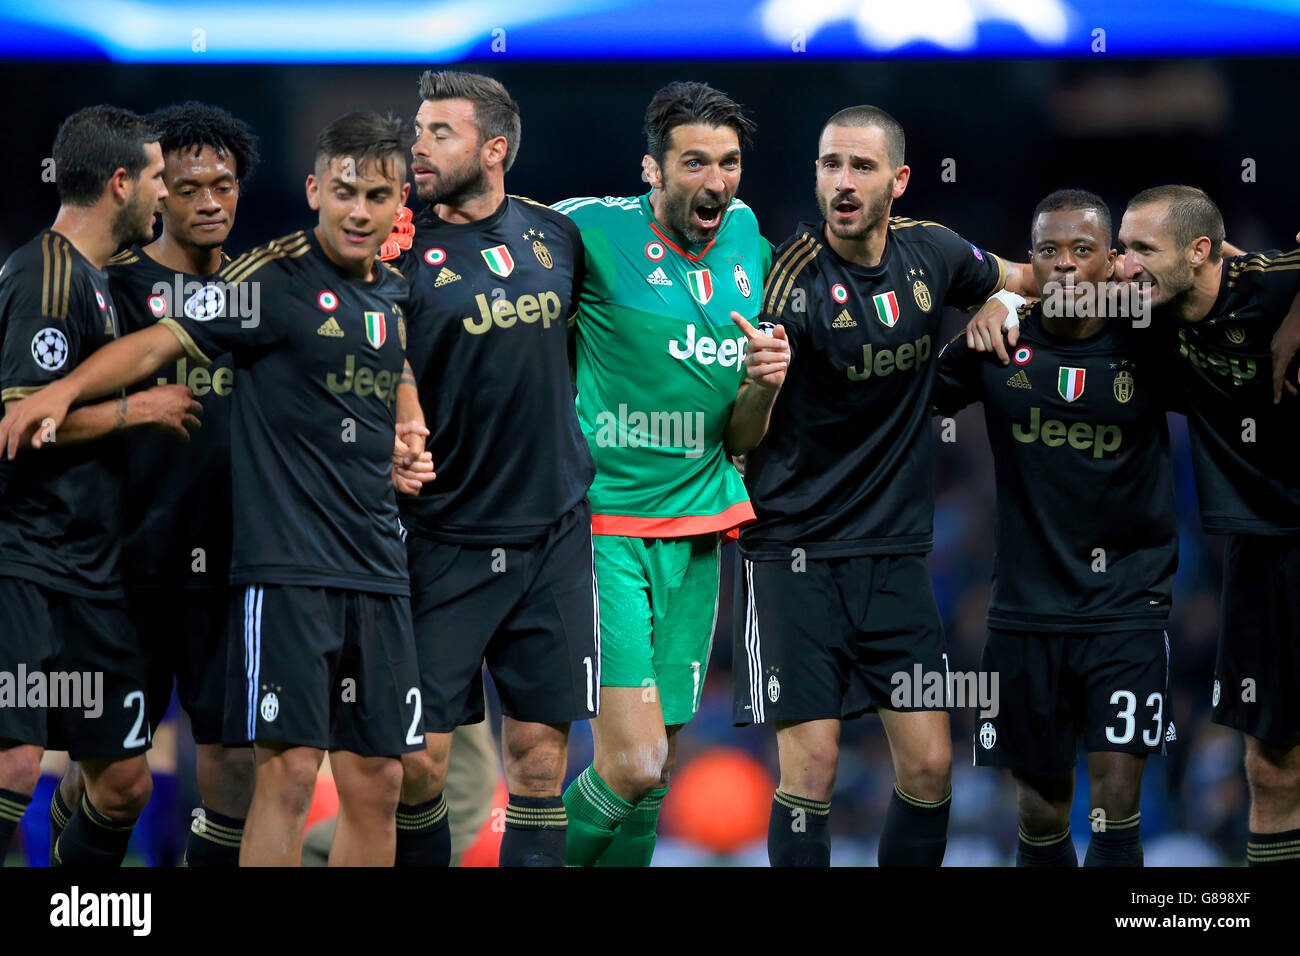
42 335
597 274
976 274
791 293
238 312
1274 277
957 382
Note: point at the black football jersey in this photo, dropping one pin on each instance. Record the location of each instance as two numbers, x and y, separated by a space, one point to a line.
489 350
1243 446
317 354
178 517
845 468
1087 532
60 509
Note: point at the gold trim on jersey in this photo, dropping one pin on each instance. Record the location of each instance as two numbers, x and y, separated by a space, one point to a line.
191 350
801 252
291 246
902 222
526 199
19 392
391 268
124 258
56 276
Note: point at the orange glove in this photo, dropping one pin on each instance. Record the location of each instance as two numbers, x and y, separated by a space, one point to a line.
399 240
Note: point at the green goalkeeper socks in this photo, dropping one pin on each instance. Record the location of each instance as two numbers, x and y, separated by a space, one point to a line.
634 840
595 813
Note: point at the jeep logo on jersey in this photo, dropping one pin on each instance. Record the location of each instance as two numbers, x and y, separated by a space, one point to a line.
505 313
886 307
742 280
1238 369
700 282
907 357
1053 433
1069 382
707 350
376 329
499 260
363 381
435 256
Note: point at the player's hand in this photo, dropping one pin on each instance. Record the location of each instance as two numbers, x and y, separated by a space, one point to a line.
766 356
400 239
37 418
408 442
984 330
409 479
171 409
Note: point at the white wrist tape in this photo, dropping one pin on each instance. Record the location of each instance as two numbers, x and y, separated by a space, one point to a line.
1013 302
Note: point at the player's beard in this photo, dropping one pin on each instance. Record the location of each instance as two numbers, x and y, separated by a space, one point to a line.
872 211
455 187
133 222
1177 287
678 209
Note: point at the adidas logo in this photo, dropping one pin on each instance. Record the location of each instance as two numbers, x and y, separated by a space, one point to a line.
659 277
844 321
1019 380
330 329
1170 736
445 277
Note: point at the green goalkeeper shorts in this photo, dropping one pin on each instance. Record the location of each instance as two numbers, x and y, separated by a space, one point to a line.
658 608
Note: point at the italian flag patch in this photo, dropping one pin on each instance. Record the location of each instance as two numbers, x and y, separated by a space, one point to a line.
701 285
886 308
499 260
1069 382
376 329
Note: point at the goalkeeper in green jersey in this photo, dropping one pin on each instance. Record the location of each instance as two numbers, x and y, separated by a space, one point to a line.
672 380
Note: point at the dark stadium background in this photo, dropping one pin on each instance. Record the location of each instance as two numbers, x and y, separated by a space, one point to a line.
1016 131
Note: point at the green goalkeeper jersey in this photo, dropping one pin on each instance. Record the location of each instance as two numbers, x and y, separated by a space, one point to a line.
659 362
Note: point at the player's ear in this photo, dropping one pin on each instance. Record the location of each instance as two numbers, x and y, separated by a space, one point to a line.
406 191
1110 264
901 175
120 186
313 191
1200 251
494 151
650 172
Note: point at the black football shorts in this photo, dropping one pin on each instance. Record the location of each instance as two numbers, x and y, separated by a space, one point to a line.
823 638
1257 669
1109 688
329 668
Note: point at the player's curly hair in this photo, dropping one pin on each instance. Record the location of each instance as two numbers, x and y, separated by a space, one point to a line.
193 125
1189 214
364 136
1071 200
682 104
91 145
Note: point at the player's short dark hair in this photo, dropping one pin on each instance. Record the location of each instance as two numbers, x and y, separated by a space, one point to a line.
1075 200
684 103
1189 214
856 116
91 145
193 125
495 113
364 136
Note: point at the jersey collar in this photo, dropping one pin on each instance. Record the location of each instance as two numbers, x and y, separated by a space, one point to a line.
426 218
648 211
